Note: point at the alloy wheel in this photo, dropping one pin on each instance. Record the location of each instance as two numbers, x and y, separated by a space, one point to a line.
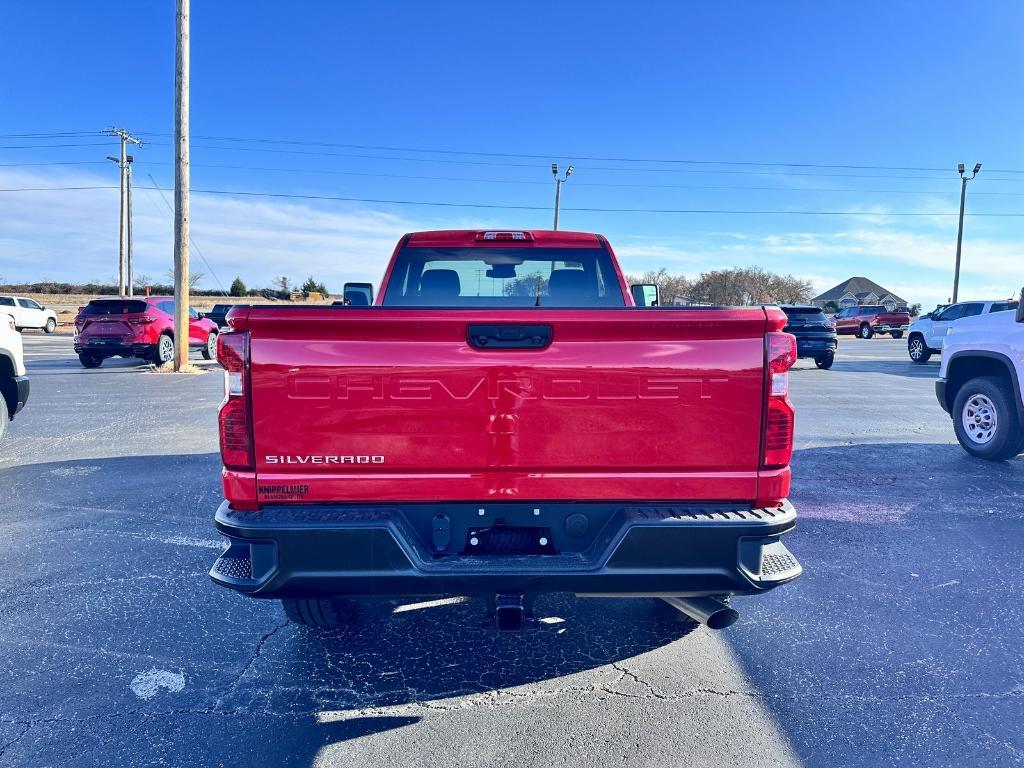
166 349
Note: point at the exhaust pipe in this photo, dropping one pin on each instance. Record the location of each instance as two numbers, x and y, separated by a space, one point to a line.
709 611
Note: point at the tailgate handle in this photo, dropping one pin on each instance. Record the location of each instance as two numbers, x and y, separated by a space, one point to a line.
509 336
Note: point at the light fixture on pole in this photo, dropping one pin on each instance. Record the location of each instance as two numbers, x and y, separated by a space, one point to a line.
960 229
558 187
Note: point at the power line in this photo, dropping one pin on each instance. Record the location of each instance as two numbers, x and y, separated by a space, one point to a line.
576 157
55 146
491 163
479 153
56 189
57 162
374 174
446 204
61 135
415 177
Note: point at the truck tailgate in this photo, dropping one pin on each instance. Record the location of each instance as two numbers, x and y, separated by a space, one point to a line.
397 405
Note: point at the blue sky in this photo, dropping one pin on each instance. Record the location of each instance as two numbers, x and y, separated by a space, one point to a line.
903 85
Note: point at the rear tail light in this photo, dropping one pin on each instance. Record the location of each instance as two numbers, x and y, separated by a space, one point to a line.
235 418
142 320
780 355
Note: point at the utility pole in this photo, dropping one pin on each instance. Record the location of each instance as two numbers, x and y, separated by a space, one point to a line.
181 182
960 229
558 187
131 239
123 161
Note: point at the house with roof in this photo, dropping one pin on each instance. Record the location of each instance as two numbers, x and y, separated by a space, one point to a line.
858 291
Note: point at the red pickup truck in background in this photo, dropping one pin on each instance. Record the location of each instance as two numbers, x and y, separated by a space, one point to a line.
504 422
868 320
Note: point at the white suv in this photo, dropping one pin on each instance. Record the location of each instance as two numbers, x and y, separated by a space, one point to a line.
13 381
926 335
28 313
980 383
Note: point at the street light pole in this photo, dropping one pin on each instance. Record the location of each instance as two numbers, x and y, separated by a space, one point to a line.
960 229
558 188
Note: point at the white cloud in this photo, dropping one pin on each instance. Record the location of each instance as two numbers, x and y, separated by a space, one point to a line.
72 235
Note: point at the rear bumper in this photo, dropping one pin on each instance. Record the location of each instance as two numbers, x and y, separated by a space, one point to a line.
20 391
814 346
110 347
940 394
886 328
384 550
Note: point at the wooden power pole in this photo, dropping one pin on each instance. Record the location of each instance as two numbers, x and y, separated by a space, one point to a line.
181 182
123 161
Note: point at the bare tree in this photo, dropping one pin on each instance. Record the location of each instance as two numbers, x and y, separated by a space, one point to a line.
751 285
670 286
194 278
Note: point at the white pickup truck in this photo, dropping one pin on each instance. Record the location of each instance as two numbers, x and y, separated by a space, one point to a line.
927 334
980 383
13 381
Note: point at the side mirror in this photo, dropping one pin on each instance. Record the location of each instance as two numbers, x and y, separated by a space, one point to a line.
1020 307
645 295
358 294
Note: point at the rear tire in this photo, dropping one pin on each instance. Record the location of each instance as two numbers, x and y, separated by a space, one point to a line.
825 361
210 350
917 349
897 334
320 612
164 351
985 419
51 325
865 331
90 360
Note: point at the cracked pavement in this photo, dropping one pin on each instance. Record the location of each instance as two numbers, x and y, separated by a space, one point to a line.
899 645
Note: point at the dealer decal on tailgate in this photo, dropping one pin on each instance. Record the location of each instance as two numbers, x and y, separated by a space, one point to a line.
283 492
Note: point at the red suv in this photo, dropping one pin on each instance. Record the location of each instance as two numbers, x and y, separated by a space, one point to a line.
137 328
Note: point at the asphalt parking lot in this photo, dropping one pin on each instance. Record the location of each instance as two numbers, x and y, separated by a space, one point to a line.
901 644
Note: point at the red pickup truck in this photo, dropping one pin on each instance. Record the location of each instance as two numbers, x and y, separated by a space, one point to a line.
868 320
503 422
